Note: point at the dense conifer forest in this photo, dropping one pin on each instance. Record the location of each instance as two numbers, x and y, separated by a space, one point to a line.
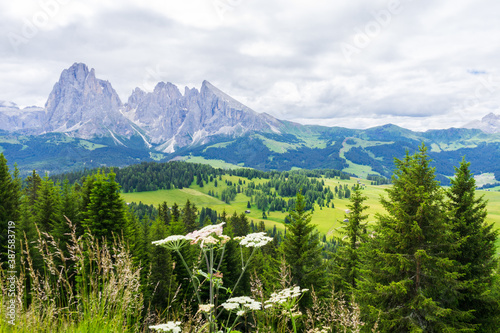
85 261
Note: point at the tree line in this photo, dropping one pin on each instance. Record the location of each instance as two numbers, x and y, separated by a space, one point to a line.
428 264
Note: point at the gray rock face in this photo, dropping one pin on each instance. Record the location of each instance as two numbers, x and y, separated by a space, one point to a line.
12 118
488 124
83 106
159 113
175 120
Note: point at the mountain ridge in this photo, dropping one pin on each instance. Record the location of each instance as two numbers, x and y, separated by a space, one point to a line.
85 124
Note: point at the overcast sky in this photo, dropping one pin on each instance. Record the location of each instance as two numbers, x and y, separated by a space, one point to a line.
419 64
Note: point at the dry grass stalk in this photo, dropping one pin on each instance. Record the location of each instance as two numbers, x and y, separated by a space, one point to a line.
93 288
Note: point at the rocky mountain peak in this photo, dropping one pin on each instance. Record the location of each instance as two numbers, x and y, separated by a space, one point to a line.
12 118
488 124
167 92
136 96
84 106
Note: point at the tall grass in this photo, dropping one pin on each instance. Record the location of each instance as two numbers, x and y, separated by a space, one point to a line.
88 286
85 287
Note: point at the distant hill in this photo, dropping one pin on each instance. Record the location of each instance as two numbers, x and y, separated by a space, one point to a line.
84 124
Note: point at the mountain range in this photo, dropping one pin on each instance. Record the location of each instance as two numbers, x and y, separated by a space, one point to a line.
84 124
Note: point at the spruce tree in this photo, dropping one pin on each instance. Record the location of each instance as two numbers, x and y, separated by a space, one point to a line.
175 213
33 184
189 217
162 284
164 213
9 208
409 280
476 251
48 206
302 249
239 225
105 215
353 234
69 208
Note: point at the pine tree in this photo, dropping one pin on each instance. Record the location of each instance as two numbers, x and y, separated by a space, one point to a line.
68 208
9 208
175 212
476 252
135 237
206 221
162 284
33 184
302 249
189 214
69 201
347 258
164 213
409 280
105 215
48 206
239 225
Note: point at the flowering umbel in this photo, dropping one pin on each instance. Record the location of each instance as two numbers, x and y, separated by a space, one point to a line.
174 242
203 236
257 239
171 326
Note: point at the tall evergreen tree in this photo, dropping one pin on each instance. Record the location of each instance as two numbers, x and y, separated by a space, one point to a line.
353 233
189 214
33 183
9 207
409 280
27 211
476 252
239 224
68 208
48 206
105 214
162 284
175 212
302 249
164 213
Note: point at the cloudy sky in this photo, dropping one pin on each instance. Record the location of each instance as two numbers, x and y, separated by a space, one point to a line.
419 64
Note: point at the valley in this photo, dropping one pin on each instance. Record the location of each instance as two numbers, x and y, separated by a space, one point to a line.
326 219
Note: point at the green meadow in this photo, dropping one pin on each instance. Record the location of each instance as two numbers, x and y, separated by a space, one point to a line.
326 219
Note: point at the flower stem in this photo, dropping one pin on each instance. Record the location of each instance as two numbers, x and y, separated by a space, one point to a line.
211 275
293 321
191 277
243 268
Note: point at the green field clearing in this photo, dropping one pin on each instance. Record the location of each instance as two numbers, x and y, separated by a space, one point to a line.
327 219
276 146
214 163
90 145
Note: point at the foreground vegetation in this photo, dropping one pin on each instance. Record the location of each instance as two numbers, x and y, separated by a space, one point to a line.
81 260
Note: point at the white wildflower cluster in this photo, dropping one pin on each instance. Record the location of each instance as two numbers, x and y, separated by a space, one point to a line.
257 239
171 326
202 236
205 307
205 235
172 242
284 296
241 304
224 239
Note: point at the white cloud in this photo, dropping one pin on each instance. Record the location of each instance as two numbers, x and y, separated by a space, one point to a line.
426 64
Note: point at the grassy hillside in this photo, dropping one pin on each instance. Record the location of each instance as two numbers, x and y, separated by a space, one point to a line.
326 218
